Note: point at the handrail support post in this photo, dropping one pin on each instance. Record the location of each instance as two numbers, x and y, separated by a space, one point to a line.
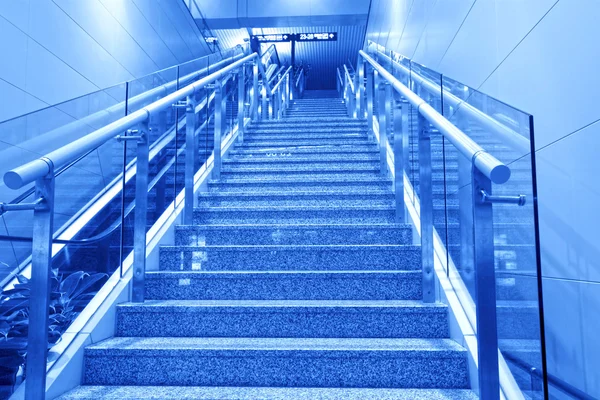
255 116
384 90
41 275
400 152
219 126
241 102
191 153
485 289
369 92
426 210
141 208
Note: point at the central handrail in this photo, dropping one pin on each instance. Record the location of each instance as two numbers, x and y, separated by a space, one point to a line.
299 77
39 168
349 77
489 165
281 80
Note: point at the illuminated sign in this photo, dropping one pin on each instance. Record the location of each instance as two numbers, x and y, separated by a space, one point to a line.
316 37
211 39
283 37
297 37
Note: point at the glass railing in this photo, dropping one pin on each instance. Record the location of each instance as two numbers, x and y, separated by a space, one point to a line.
457 147
95 192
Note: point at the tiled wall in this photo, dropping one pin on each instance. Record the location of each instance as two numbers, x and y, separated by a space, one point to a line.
541 56
55 50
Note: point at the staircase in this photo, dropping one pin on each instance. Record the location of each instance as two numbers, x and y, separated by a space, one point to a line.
294 282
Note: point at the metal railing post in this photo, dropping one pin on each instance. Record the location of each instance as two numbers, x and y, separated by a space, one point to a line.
465 211
275 104
426 209
383 127
369 91
216 173
141 209
265 104
241 102
485 289
360 89
191 153
41 275
255 116
400 152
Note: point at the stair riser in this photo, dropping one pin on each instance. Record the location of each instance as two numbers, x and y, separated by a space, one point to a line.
303 142
275 138
294 217
404 285
305 322
230 187
276 202
302 167
279 368
283 158
300 175
317 235
312 151
290 259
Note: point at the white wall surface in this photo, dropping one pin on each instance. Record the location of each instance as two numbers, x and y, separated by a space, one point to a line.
541 56
55 50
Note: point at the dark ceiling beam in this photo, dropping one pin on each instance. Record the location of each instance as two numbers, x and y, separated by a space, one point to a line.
281 22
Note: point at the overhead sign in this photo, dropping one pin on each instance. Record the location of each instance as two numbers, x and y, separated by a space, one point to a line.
297 37
316 37
283 37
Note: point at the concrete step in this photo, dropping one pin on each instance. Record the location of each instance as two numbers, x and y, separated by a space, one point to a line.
332 129
262 393
290 258
284 285
283 319
280 362
297 234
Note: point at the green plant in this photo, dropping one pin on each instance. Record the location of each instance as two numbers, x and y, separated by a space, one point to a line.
68 296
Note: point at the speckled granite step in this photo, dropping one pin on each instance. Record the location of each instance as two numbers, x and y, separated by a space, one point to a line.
293 184
280 362
305 142
290 257
289 158
317 120
284 285
260 393
307 151
283 319
308 198
346 134
313 167
331 214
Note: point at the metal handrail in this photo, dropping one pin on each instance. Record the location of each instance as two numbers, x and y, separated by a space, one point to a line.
518 142
299 76
349 77
281 80
41 167
489 165
340 78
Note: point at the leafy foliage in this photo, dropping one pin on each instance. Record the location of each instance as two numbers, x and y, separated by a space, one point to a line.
68 296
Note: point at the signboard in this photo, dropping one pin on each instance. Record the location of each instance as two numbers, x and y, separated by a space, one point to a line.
316 37
296 37
282 37
211 39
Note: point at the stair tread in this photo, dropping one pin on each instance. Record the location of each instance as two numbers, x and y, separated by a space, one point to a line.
261 393
123 345
296 226
292 305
